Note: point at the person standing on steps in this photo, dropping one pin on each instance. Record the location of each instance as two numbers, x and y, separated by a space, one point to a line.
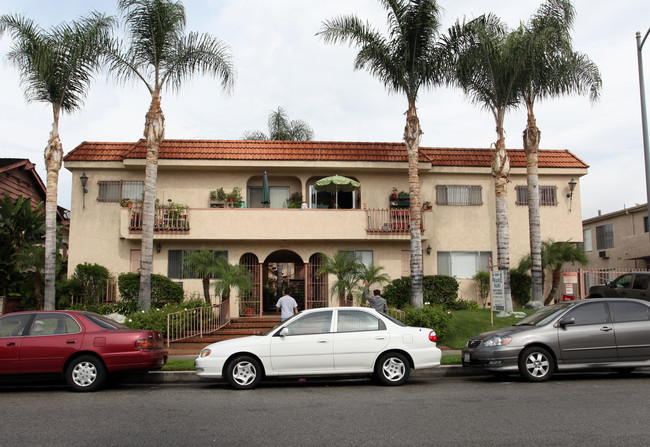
286 306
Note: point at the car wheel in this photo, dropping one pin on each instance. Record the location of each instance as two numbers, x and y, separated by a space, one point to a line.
86 373
536 364
392 368
244 373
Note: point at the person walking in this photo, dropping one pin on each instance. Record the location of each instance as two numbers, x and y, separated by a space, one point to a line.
375 300
286 306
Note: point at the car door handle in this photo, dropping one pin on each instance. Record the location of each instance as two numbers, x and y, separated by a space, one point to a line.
323 340
11 344
380 337
606 328
71 342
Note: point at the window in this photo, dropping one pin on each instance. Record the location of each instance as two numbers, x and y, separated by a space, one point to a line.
318 323
13 325
54 324
116 190
459 195
463 264
589 314
363 256
645 224
279 196
325 199
355 321
176 260
586 237
641 282
605 236
547 195
623 312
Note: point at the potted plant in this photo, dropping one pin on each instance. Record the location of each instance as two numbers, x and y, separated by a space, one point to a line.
394 193
126 203
426 205
234 197
217 198
295 200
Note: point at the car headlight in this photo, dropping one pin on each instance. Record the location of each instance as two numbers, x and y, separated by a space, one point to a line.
496 341
205 352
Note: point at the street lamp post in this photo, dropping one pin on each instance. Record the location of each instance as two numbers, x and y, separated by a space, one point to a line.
644 118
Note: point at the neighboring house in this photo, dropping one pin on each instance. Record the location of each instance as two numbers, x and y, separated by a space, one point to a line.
273 241
18 177
618 240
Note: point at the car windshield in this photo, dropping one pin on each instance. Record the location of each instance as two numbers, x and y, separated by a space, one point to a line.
543 316
103 322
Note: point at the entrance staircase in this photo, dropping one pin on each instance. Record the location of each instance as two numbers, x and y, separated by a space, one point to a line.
238 327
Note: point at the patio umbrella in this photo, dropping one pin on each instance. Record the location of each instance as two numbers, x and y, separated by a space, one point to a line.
336 183
266 193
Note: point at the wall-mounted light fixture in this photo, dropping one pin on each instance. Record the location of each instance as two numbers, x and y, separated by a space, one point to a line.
158 247
572 186
84 182
429 249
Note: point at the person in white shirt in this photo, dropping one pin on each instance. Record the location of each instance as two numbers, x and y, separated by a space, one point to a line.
287 306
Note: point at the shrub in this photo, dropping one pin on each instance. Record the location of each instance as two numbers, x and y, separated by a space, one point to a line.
88 283
437 289
155 319
434 317
520 284
163 290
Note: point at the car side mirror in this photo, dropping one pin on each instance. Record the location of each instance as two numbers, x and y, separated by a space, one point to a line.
567 321
284 332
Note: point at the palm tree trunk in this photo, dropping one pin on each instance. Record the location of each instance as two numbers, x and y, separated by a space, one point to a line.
53 157
206 289
154 132
412 135
554 285
501 172
532 136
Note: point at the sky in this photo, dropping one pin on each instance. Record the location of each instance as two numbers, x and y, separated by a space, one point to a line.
280 62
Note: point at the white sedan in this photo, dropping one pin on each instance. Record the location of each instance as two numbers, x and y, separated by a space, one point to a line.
320 342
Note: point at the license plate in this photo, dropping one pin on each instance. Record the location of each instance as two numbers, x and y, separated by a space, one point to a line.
466 358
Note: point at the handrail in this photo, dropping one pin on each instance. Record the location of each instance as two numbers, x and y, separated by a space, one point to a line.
197 321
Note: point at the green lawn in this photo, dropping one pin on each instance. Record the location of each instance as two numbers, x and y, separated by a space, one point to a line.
465 324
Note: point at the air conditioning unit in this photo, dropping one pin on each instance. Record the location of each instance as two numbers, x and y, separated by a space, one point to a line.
603 254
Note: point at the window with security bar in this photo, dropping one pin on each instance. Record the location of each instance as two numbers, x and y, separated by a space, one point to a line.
547 195
459 195
118 190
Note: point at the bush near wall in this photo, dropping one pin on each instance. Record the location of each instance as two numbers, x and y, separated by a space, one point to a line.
437 289
163 290
520 284
434 317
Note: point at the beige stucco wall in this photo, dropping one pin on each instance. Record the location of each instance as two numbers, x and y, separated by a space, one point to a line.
99 232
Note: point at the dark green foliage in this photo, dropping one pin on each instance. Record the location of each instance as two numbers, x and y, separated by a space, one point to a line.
163 290
88 283
434 317
438 289
520 286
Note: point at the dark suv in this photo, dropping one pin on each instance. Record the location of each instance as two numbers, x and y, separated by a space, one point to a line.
628 285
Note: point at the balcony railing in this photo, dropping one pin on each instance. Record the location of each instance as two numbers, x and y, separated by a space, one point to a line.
172 218
389 221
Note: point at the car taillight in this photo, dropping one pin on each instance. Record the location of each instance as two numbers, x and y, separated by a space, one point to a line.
433 337
144 343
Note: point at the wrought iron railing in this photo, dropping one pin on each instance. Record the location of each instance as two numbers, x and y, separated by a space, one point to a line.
166 218
106 295
197 322
389 221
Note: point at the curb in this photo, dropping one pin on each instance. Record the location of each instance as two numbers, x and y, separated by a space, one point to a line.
157 377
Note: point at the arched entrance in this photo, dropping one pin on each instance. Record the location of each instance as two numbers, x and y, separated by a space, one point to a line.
280 270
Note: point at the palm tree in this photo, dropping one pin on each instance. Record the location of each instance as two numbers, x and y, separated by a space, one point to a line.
201 263
552 69
486 60
159 54
282 129
230 276
346 268
372 274
554 256
56 67
409 58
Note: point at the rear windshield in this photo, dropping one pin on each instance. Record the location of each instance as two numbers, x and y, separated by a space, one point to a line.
103 321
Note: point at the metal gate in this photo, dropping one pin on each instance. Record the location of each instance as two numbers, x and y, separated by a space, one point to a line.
316 289
250 304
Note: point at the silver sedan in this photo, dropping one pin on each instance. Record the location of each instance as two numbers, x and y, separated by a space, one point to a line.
609 333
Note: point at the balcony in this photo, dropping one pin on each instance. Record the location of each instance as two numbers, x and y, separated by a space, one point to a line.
271 224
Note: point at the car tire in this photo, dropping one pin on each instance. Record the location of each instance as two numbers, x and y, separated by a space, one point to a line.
85 373
392 369
536 364
244 372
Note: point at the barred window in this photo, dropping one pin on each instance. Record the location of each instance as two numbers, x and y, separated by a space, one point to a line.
547 195
116 190
459 195
176 261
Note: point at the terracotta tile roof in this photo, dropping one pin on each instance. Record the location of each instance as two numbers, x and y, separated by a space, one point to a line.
310 151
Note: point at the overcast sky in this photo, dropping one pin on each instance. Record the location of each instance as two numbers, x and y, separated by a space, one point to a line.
280 62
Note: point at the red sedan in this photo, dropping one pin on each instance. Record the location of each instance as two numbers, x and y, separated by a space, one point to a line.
83 346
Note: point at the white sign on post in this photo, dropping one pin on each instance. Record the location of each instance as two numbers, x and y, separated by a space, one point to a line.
498 295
